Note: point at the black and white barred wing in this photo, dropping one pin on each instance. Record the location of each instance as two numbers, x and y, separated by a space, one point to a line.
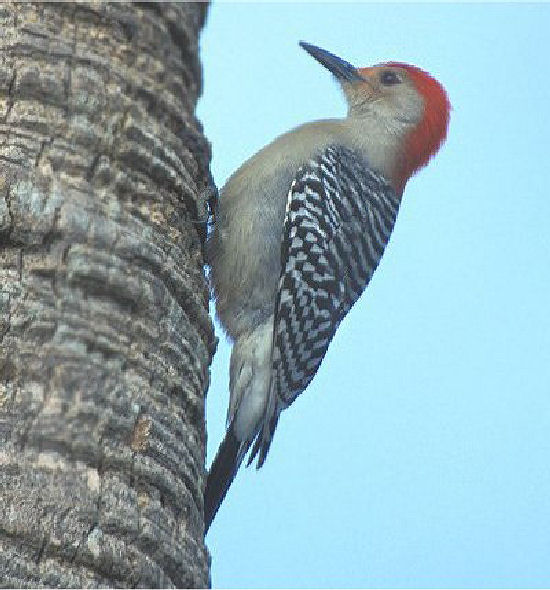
339 218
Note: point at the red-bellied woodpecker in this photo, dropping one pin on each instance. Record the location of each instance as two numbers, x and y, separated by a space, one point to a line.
300 230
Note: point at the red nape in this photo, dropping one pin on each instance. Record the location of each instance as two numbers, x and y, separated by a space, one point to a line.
426 138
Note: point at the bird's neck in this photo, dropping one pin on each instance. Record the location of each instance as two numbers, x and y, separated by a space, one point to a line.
381 145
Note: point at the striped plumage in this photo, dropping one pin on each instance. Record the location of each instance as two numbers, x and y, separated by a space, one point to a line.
339 218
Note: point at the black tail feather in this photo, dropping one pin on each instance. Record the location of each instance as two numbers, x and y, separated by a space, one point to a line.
223 470
263 442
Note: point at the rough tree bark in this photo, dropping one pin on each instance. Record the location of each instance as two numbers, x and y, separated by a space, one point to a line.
105 338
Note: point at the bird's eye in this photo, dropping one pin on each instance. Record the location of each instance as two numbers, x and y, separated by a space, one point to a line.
387 77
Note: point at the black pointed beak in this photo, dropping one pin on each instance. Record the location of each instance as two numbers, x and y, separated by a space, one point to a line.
343 70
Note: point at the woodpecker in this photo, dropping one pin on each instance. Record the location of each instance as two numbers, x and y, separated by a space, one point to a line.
300 229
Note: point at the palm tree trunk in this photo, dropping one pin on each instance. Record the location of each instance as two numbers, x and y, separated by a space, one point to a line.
105 338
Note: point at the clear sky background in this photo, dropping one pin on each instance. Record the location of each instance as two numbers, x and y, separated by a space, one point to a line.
420 453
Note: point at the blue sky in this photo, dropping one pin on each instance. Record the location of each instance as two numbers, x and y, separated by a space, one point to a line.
420 454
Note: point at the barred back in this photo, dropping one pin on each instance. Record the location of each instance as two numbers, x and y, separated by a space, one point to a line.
339 218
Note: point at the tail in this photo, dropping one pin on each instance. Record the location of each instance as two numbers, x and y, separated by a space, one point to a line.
222 472
265 436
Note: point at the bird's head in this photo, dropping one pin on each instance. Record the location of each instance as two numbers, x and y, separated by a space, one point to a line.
409 106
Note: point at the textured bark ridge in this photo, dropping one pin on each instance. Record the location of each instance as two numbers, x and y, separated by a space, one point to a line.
105 338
